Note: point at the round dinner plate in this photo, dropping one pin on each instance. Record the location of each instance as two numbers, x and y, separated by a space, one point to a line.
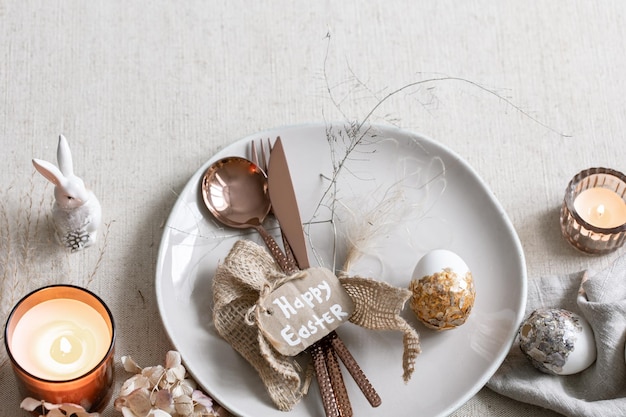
392 195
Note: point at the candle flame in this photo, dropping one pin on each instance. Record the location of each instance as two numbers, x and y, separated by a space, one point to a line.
600 210
65 346
68 348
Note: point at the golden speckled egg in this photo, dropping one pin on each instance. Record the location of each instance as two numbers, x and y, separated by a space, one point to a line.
443 290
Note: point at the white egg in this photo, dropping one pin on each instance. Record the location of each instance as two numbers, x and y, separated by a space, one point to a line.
557 341
443 290
437 260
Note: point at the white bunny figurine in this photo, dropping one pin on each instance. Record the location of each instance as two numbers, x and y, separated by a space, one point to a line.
76 212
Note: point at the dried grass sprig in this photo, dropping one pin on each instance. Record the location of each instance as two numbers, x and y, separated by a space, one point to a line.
101 252
355 133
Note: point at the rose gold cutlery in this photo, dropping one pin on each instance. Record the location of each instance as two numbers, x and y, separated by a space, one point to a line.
239 194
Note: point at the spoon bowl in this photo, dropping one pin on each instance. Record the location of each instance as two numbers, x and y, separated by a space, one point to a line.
235 191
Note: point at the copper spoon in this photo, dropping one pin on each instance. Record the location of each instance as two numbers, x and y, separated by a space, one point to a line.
234 190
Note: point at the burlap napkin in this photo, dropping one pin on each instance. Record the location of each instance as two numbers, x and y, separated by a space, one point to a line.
600 390
245 277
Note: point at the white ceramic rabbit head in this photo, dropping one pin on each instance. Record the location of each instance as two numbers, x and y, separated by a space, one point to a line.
76 212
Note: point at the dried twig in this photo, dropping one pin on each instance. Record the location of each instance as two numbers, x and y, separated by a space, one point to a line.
102 249
355 132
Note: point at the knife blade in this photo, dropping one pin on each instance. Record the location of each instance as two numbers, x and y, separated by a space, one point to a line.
284 203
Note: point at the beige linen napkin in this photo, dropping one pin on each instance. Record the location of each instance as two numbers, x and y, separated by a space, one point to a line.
600 390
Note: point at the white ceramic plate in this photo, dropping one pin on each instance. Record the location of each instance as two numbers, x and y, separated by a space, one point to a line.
431 199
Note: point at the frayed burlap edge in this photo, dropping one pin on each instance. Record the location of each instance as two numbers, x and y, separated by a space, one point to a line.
378 306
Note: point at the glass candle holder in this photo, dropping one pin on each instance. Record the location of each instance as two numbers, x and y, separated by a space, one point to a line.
61 341
593 214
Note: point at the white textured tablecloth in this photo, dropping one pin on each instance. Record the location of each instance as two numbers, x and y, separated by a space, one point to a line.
146 91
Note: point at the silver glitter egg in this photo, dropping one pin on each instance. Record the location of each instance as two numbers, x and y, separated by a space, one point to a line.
557 341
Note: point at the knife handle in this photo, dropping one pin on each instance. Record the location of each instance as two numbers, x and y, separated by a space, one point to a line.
289 254
336 379
355 370
323 380
275 250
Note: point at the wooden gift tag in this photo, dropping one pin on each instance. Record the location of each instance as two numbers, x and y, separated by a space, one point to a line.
303 311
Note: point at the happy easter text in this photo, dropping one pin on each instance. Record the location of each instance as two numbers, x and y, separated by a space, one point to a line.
308 301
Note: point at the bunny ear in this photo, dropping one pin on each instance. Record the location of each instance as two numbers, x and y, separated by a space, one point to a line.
49 171
64 157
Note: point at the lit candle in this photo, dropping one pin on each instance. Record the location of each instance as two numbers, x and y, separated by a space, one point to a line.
593 213
601 207
60 340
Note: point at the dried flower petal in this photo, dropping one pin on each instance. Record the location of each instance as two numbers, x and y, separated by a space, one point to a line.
159 413
200 398
184 405
190 383
172 359
134 383
50 406
120 404
70 409
139 402
55 412
154 374
170 377
163 400
179 371
158 391
182 388
75 410
126 412
130 365
30 404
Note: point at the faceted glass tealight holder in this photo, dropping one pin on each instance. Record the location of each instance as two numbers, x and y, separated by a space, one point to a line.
580 233
92 388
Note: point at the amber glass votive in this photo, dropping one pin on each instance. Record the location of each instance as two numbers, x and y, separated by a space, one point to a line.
61 341
593 214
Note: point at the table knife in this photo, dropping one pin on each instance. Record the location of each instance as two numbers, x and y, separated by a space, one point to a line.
288 216
285 207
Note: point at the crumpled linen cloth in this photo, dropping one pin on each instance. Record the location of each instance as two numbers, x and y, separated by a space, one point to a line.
600 390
